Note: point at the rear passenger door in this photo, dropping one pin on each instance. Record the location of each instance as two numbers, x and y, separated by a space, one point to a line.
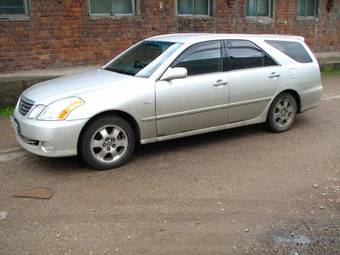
253 79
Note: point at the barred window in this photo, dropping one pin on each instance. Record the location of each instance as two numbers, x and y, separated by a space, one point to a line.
259 8
307 8
193 7
13 7
112 7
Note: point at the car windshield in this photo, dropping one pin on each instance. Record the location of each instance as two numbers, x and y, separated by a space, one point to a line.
143 59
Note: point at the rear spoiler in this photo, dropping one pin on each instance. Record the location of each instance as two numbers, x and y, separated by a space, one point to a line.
275 36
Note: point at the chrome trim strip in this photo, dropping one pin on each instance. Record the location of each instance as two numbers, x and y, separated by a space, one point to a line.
256 120
251 101
206 109
149 119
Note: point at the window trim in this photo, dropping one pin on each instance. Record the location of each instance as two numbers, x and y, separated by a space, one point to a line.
111 14
193 8
304 17
23 16
270 11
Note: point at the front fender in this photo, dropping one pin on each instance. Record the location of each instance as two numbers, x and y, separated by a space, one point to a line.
136 100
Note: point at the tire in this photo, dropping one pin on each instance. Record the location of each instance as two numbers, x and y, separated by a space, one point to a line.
107 143
282 113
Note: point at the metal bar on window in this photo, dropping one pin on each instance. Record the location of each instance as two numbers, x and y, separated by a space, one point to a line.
209 2
133 7
25 7
256 11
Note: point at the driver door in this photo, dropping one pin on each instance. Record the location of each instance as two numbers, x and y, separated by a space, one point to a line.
197 101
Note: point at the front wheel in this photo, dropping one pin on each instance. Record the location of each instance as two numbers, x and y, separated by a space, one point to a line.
107 143
282 113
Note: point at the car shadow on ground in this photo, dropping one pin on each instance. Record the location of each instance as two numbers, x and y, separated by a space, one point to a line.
142 152
207 139
199 140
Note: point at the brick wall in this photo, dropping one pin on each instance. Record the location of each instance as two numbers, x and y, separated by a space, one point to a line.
60 33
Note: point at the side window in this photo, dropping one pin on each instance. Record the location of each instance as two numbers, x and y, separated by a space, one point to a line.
201 59
13 7
194 7
242 54
112 7
259 8
307 8
293 50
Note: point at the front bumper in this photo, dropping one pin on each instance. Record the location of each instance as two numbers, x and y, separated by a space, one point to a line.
47 138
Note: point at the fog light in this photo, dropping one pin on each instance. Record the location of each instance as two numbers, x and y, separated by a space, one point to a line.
46 146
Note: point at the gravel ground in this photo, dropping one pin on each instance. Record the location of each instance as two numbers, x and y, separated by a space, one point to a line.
240 191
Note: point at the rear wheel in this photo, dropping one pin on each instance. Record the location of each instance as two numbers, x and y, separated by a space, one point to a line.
282 113
107 143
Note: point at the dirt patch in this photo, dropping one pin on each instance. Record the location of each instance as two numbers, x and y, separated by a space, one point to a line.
304 237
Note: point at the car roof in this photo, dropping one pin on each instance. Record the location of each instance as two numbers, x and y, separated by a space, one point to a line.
198 37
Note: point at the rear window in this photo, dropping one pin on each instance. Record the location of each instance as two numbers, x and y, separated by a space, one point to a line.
294 50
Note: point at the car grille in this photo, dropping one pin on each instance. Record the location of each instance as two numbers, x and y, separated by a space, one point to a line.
25 105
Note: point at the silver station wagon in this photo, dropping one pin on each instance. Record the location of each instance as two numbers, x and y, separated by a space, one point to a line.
167 87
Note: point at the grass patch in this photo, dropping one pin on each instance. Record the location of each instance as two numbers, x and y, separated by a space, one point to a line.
6 111
330 71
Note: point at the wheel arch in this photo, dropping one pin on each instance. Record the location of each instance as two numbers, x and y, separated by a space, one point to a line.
124 115
295 94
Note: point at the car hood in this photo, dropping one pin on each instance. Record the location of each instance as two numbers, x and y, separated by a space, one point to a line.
73 85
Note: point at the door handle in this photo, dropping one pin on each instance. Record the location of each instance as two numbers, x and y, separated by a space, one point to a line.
274 75
220 83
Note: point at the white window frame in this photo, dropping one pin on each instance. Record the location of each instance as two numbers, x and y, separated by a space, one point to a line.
316 6
18 16
193 8
112 14
270 10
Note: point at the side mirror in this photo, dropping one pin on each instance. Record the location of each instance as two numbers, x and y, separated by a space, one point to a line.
174 73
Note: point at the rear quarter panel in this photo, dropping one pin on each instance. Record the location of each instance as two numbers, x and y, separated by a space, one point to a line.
304 78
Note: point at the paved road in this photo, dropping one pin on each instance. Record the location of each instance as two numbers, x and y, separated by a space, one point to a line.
241 191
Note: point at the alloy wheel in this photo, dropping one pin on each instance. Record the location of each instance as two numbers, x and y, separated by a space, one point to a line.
109 143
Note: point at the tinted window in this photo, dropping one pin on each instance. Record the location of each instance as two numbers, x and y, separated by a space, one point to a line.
242 54
268 61
292 49
202 60
241 58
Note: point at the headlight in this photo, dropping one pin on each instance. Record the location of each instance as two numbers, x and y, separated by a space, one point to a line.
36 111
59 110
